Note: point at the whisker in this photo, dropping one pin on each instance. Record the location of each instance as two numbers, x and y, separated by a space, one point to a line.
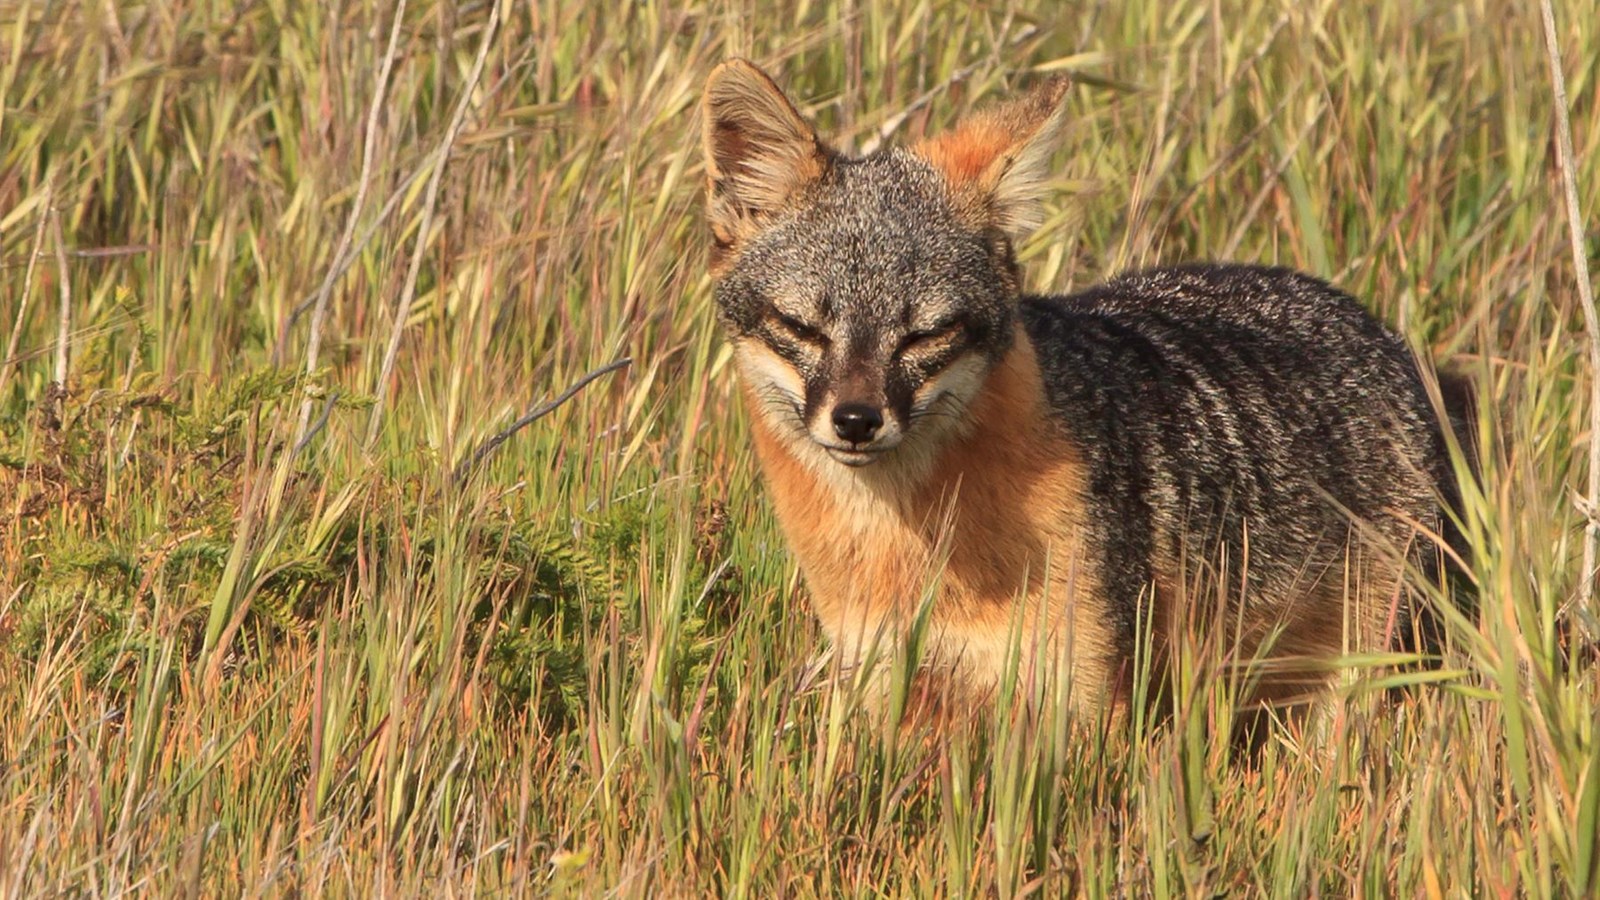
787 407
943 406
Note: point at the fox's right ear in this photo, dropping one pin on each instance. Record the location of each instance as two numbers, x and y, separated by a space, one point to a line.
760 152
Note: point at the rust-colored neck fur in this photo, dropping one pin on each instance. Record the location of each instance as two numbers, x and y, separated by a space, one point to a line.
999 502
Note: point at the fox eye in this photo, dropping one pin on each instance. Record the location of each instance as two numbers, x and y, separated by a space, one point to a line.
930 341
799 331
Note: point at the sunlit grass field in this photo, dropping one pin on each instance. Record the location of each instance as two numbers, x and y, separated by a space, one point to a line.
273 273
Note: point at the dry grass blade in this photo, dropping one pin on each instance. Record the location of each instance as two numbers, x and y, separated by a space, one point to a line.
1580 269
10 359
441 157
64 286
319 310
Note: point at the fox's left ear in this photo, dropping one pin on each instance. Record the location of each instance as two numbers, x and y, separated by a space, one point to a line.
998 160
760 152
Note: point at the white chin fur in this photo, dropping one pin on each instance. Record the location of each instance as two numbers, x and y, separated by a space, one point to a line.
853 458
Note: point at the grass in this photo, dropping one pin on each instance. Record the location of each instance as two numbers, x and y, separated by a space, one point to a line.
246 650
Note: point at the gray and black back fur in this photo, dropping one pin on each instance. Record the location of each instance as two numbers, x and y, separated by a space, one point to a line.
1215 403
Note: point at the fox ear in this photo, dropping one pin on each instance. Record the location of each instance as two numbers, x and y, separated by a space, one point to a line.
759 150
998 159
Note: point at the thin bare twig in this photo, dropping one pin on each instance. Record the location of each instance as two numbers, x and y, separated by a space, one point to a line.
368 149
96 253
1580 268
441 156
27 290
544 409
64 280
322 421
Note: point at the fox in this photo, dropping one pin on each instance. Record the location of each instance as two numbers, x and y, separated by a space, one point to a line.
1064 465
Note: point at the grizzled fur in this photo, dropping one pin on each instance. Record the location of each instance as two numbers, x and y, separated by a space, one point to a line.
1067 463
873 285
1206 397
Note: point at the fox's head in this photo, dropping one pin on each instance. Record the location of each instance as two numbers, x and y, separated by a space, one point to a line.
867 298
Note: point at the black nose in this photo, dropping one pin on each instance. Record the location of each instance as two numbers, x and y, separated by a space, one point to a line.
856 422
